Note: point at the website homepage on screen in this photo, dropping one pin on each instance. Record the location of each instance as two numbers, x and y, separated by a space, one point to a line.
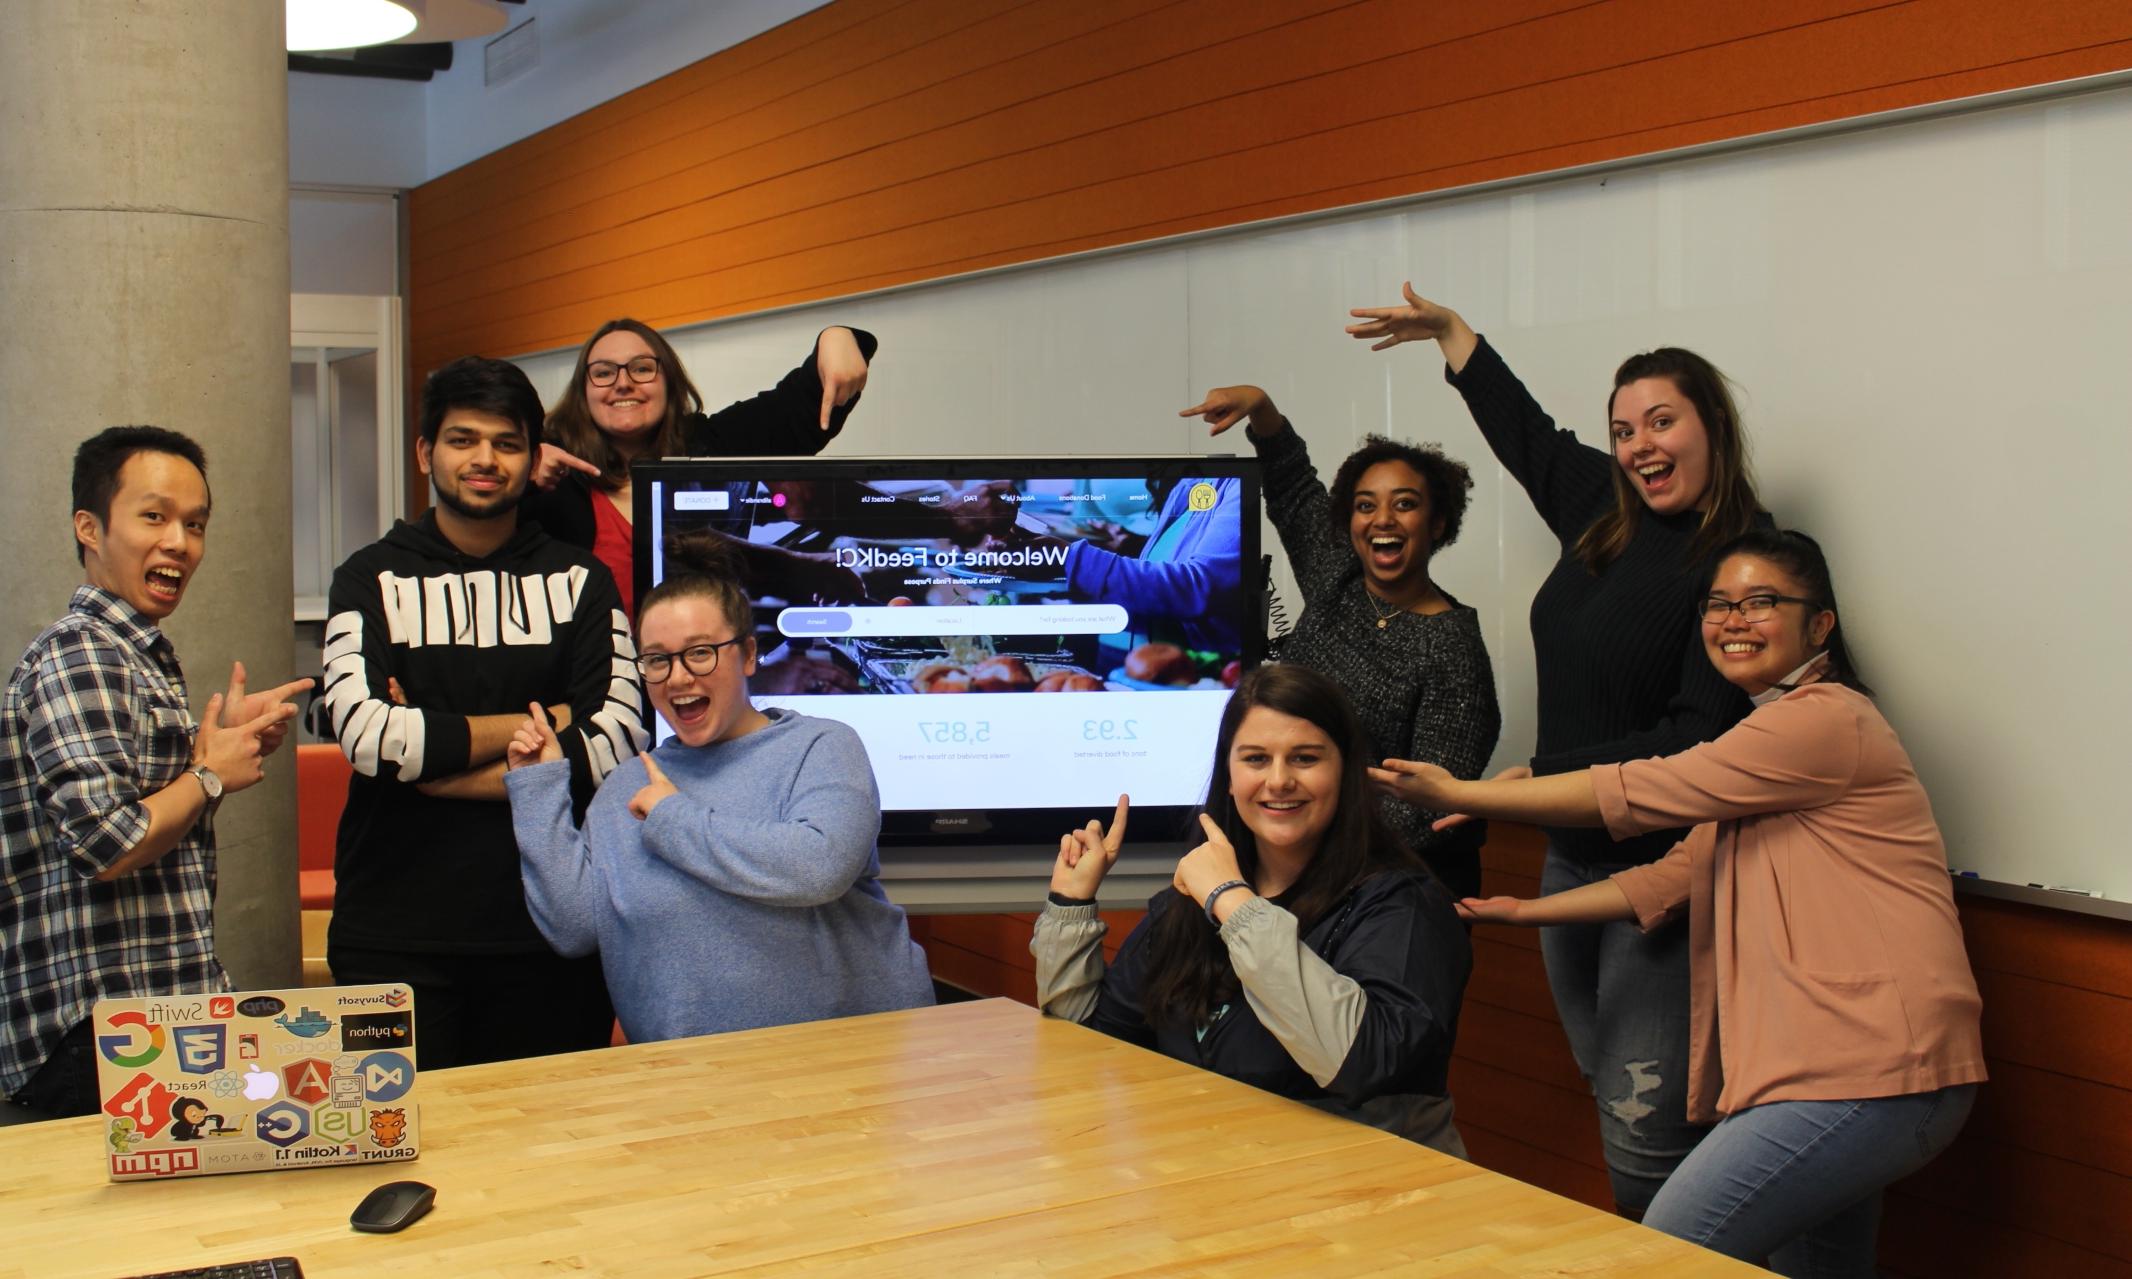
1009 643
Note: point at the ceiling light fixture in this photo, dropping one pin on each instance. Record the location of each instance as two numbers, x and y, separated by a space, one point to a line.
346 24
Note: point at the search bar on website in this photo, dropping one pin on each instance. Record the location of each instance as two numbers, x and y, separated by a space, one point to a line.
888 621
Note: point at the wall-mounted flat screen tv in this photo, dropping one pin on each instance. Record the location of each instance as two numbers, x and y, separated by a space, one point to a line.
1018 641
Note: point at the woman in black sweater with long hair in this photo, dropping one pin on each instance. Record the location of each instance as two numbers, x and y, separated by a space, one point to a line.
1621 675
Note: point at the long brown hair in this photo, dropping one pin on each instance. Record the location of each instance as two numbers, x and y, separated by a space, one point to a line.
1733 504
570 424
1189 973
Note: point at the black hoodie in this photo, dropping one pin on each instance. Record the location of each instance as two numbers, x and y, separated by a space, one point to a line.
537 621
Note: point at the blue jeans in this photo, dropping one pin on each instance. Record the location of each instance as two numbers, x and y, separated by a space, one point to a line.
1796 1185
1623 1000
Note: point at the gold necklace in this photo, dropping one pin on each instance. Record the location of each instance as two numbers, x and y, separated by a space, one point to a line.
1384 619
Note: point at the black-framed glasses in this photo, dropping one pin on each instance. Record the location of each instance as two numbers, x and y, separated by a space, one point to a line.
1755 608
701 659
645 368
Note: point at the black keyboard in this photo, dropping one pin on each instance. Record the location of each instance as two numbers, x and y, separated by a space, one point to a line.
270 1268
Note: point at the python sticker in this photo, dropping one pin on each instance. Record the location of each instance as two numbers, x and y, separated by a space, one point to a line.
377 1030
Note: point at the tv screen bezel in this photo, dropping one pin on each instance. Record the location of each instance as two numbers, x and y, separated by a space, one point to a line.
980 826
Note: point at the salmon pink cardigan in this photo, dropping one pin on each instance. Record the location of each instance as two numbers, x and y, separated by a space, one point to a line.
1826 959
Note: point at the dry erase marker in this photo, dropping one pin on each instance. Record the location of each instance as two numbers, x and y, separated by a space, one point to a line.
2072 892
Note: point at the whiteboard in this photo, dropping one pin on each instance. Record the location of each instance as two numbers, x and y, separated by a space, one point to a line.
1930 322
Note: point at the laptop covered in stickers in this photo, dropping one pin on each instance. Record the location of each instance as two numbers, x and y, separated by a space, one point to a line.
258 1080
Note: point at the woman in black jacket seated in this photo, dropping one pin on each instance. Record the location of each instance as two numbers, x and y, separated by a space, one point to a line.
630 398
1359 1018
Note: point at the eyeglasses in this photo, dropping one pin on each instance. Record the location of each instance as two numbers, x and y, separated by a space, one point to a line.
701 659
1755 608
645 368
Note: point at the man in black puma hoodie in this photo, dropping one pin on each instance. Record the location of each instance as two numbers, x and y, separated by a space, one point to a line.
440 635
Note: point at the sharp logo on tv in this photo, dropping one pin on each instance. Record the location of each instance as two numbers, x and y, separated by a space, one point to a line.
376 1030
163 1163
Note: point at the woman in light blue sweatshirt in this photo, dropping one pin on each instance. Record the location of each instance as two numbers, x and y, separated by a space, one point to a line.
728 879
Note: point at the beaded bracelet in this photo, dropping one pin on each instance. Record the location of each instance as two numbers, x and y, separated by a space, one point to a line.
1214 896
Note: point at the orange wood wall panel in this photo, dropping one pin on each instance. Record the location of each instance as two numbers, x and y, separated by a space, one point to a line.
876 142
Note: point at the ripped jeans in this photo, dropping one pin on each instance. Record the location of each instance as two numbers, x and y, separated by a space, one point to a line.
1795 1185
1623 1000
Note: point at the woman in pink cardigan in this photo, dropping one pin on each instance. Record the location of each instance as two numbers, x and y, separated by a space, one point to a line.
1833 1034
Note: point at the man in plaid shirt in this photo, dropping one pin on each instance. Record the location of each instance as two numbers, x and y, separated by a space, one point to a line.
107 787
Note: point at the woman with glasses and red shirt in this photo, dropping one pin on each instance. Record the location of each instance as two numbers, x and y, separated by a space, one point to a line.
629 398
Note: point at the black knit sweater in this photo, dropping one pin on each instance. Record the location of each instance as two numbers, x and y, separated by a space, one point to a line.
1422 684
1619 655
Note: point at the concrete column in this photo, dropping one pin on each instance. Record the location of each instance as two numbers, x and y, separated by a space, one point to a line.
144 272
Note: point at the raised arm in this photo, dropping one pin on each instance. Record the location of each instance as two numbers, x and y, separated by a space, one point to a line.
1295 496
1569 482
1072 981
801 414
1417 320
813 852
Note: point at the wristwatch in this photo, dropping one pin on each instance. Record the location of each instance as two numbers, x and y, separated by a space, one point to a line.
208 781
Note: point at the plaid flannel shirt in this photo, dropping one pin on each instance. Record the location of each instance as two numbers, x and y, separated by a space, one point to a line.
94 719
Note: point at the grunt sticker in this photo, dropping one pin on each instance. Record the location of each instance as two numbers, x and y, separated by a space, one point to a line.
388 1128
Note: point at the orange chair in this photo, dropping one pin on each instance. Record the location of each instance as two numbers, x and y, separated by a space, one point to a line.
321 792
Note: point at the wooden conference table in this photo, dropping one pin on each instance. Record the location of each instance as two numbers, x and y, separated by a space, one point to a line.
970 1139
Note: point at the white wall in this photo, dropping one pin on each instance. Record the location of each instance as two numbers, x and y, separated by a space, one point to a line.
348 131
1929 322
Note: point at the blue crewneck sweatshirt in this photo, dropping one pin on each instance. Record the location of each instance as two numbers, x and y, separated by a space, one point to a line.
750 898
